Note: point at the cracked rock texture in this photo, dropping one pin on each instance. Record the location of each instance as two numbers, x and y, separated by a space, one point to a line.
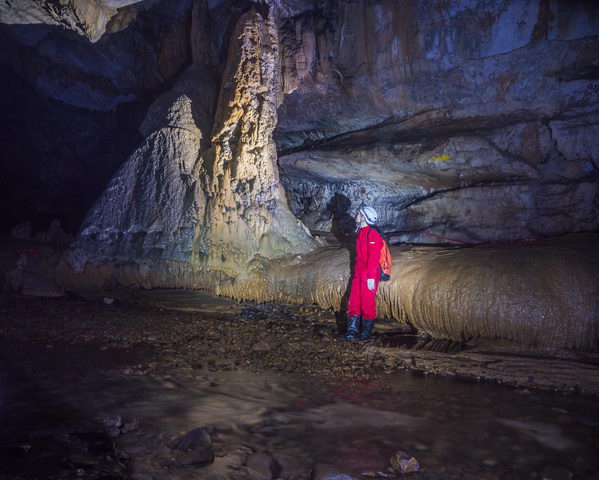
183 211
473 122
90 18
247 212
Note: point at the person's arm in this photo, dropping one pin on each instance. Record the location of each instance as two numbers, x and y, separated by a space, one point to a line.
374 246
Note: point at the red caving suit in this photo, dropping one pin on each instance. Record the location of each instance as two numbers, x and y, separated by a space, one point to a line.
368 253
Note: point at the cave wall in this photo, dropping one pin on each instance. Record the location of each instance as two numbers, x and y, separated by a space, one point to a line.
469 120
76 80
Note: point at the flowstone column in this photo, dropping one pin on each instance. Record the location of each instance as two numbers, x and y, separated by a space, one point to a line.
185 212
247 216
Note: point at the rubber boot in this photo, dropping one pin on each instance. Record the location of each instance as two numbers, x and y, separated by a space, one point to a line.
367 326
353 327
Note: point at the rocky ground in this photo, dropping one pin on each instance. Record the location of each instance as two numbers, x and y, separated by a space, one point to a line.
226 336
209 333
175 346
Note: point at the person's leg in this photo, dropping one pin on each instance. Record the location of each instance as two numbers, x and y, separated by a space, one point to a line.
353 310
368 305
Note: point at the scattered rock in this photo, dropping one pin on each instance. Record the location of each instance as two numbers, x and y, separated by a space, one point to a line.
108 422
325 471
197 438
130 426
403 462
261 346
112 426
265 464
383 474
199 457
378 474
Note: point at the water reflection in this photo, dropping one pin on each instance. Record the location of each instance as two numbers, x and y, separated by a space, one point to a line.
456 430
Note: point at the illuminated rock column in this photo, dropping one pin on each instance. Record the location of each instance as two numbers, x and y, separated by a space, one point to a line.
247 214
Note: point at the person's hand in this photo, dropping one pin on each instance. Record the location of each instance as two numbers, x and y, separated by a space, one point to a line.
370 283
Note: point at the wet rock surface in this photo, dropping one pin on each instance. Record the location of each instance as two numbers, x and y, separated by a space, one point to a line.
208 333
141 391
542 294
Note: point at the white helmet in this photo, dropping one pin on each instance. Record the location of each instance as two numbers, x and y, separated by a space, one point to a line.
370 215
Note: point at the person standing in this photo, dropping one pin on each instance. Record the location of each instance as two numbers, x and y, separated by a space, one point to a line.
361 309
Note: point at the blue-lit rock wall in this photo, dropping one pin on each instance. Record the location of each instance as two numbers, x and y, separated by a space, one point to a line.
467 119
477 121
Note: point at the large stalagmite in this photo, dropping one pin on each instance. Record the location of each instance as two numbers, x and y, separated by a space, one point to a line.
247 212
183 212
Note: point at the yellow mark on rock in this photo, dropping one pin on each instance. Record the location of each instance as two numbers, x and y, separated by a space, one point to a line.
441 158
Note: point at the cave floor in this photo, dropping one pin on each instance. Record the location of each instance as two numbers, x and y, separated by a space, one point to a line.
96 390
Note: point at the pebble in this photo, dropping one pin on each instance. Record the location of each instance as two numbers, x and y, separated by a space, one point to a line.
325 471
196 438
264 463
108 422
130 426
199 457
404 463
261 346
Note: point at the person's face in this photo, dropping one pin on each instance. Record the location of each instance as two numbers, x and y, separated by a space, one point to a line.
359 218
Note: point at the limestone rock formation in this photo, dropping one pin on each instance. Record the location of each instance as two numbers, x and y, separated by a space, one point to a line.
149 213
183 211
540 294
72 108
247 211
474 122
86 17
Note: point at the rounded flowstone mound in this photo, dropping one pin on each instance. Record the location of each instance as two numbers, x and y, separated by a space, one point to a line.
543 294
